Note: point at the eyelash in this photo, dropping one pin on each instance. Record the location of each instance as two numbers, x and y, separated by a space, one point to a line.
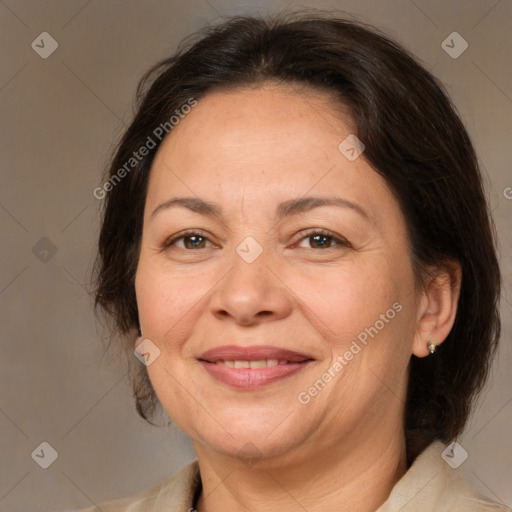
308 234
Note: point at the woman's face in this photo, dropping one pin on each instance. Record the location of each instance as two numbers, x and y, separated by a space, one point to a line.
287 250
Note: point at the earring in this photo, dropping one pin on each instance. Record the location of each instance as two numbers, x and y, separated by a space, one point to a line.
432 347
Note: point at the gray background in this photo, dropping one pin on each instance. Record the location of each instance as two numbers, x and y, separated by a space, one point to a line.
60 116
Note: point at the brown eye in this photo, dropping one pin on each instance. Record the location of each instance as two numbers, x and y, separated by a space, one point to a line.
320 239
194 242
189 241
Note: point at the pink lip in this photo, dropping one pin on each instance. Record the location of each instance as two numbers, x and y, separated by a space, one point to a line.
251 378
252 353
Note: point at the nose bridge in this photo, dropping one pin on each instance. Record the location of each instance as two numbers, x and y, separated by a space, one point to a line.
251 291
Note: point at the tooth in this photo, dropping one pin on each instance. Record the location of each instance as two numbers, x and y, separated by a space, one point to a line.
261 363
258 364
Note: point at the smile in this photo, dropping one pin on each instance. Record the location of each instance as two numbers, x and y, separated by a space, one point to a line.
254 366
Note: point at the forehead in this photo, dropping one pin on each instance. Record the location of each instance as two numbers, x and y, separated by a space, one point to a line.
273 140
281 114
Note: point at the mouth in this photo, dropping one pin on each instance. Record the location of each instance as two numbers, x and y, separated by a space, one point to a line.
252 367
254 354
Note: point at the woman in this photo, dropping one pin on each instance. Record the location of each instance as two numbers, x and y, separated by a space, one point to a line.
295 232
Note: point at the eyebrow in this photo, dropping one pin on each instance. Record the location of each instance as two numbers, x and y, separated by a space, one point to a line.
284 209
304 204
192 203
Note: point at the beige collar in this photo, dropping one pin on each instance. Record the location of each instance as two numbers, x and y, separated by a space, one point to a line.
430 485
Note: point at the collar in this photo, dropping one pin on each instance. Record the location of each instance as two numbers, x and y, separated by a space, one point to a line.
430 485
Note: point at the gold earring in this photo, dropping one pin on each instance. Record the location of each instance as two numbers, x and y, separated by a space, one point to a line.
432 347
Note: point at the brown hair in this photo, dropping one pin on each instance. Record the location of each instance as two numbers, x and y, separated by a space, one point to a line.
414 139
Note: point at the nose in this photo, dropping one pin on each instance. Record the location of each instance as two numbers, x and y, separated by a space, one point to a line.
251 293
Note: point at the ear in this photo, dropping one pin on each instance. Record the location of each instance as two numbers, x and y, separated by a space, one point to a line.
437 306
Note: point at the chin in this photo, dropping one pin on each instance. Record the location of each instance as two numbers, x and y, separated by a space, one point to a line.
256 451
251 441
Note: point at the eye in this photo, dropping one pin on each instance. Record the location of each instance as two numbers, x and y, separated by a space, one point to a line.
322 239
189 240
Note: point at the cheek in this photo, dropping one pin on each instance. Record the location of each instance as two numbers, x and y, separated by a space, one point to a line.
367 325
167 300
342 302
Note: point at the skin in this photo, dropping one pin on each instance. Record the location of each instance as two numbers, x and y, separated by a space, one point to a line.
248 150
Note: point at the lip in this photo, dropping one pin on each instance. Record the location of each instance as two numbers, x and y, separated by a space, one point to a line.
252 378
251 353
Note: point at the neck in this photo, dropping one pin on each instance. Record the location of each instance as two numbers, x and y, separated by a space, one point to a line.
341 478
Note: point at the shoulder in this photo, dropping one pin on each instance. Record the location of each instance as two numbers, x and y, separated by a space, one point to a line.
176 494
431 485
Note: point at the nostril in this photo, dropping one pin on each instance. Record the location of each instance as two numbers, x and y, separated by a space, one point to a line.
264 313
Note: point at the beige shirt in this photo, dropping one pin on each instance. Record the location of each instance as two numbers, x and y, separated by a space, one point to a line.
430 485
